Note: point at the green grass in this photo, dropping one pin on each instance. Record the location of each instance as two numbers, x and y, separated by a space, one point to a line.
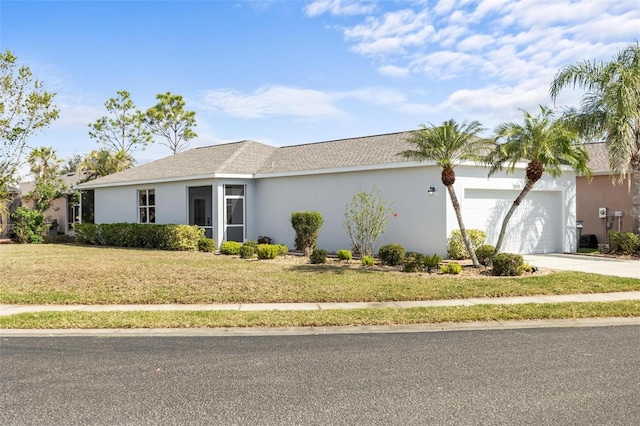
66 274
430 315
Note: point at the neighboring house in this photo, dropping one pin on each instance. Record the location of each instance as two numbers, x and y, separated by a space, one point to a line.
602 206
6 225
63 210
239 191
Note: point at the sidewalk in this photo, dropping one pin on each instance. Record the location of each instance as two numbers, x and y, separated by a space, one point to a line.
595 297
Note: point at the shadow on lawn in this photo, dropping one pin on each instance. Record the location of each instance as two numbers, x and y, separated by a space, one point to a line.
329 269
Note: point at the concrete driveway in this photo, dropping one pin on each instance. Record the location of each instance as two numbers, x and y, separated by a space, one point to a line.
581 263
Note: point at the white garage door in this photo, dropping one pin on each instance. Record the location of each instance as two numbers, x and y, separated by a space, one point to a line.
533 228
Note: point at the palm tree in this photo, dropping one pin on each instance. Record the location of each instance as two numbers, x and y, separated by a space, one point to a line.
104 162
546 143
610 108
449 145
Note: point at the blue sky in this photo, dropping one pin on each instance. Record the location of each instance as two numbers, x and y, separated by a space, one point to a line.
290 72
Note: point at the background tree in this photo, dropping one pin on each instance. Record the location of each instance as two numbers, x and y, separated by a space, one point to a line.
448 145
45 170
25 109
124 130
104 162
365 219
171 122
71 164
546 143
610 108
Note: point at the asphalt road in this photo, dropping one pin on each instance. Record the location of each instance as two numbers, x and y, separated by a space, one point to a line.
585 376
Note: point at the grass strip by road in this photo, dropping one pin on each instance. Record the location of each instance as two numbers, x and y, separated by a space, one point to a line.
354 317
67 274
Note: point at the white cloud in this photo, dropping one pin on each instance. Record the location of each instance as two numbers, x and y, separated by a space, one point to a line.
475 42
391 33
445 64
272 101
339 7
393 71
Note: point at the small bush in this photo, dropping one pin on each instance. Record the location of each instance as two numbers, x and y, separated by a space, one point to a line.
230 247
267 251
413 262
508 264
253 244
391 254
307 226
367 261
344 254
625 243
453 268
318 256
264 240
485 254
246 252
456 248
206 245
431 262
282 249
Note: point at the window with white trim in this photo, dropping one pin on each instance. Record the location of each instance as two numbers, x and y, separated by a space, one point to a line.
146 206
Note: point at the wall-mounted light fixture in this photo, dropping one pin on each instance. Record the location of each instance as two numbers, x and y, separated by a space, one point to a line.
431 191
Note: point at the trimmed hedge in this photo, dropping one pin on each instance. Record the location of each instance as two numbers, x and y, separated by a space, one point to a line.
391 254
230 247
508 264
162 237
456 248
344 254
267 251
318 256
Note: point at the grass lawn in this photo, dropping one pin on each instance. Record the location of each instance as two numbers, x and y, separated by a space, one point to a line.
67 274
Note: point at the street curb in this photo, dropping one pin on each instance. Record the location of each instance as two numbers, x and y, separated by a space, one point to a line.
306 331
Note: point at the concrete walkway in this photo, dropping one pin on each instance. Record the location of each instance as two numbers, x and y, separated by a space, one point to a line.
593 264
246 307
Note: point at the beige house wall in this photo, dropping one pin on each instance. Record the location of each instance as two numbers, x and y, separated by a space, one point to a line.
57 211
601 192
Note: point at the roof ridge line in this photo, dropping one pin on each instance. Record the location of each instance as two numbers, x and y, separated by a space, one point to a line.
232 157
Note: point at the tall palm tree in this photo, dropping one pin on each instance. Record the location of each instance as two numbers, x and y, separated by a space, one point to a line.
449 145
43 162
610 108
546 143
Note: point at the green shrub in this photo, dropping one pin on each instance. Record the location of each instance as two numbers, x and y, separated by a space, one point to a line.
456 248
391 254
367 261
344 254
282 249
431 262
307 226
453 268
230 247
625 243
29 225
508 264
318 256
413 262
206 245
183 237
246 252
485 254
163 237
267 251
253 244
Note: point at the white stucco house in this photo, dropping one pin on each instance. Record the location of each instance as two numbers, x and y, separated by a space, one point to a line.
239 191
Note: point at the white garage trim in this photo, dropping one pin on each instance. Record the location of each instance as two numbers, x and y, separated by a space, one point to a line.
533 228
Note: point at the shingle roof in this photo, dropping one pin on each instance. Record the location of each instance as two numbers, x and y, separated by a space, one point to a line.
70 180
238 157
598 157
250 157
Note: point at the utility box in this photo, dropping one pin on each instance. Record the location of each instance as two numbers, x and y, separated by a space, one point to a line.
602 212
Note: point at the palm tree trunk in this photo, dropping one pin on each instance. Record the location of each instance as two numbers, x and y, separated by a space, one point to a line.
463 230
514 206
